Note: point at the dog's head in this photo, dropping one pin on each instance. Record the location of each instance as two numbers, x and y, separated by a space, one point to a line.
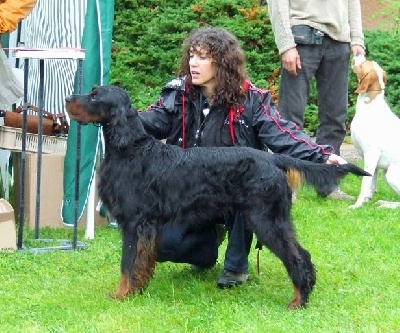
109 106
371 77
99 106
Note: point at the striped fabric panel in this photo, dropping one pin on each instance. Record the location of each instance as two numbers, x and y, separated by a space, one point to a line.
53 24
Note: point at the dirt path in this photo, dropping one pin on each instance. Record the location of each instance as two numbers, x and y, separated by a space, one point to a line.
349 153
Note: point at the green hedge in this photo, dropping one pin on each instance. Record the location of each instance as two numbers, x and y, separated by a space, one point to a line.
148 35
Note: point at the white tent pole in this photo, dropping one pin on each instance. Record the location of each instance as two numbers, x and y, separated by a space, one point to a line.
89 232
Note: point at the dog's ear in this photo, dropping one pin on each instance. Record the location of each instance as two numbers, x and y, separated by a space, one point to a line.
363 85
384 75
120 129
358 70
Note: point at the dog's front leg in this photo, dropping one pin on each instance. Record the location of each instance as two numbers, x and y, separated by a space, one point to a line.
129 243
371 159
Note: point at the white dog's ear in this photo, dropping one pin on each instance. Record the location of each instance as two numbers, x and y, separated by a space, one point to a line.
364 79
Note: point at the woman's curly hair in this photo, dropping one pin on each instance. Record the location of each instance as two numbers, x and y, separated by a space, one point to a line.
225 50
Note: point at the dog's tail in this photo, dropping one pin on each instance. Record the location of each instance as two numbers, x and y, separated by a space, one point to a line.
323 177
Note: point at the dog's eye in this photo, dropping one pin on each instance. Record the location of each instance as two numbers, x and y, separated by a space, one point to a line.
92 95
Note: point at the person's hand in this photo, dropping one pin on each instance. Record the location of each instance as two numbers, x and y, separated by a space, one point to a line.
357 50
291 61
335 159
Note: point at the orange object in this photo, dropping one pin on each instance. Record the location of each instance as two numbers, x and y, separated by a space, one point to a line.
13 11
14 119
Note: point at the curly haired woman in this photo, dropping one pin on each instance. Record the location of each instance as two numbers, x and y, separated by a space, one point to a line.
213 103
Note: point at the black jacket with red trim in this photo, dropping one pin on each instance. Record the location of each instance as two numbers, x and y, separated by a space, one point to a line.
179 117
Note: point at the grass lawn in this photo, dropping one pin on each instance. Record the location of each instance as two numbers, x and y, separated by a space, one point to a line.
355 253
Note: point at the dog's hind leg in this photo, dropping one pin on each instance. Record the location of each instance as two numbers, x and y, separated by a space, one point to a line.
277 234
137 261
146 253
392 178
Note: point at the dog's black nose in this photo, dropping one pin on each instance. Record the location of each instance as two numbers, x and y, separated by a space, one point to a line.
68 98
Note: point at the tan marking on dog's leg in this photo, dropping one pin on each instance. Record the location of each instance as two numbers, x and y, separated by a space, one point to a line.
296 303
144 265
124 288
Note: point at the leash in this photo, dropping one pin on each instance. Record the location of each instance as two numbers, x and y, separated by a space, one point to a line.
259 248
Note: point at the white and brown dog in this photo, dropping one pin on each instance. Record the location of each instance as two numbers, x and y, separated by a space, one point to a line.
375 131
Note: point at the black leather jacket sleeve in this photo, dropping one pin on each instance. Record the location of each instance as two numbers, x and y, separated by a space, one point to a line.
282 136
158 118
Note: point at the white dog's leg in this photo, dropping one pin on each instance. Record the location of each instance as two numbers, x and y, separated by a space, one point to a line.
368 184
392 177
374 182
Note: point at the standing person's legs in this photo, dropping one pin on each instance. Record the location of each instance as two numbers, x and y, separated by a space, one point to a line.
332 85
294 91
236 266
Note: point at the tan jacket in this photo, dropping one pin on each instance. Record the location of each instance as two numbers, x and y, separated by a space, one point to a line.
339 19
13 11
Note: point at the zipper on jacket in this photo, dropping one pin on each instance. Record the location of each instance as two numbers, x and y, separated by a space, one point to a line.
203 110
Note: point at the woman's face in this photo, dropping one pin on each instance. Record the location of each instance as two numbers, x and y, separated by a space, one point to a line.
202 68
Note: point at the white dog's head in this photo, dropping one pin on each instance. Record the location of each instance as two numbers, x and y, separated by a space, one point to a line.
371 77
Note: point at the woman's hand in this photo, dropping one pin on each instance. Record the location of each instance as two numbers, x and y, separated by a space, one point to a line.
335 159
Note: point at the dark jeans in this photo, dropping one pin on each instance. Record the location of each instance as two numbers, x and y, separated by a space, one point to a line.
329 64
200 246
239 243
193 246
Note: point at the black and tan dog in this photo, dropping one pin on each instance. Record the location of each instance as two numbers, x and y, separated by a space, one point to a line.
146 184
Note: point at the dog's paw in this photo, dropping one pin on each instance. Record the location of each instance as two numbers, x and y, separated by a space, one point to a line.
115 296
356 205
119 295
125 288
387 204
294 305
359 202
298 301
